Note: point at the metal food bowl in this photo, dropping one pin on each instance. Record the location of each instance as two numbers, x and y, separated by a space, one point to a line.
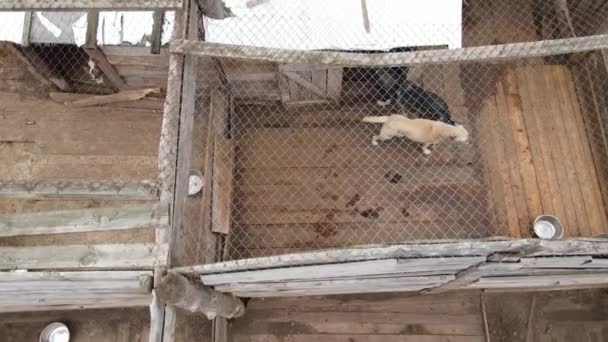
55 332
548 227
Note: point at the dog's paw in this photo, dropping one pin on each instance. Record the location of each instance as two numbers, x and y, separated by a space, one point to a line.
374 142
426 151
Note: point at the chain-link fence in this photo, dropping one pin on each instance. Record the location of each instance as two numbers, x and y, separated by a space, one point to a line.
294 168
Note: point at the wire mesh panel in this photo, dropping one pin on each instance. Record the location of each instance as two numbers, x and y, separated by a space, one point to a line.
305 155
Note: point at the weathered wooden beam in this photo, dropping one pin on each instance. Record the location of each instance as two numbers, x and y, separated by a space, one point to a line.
62 189
27 28
84 257
295 77
222 170
337 286
157 31
62 5
473 274
92 26
549 281
106 67
521 247
84 220
37 67
34 291
175 151
176 290
151 103
363 269
121 96
471 54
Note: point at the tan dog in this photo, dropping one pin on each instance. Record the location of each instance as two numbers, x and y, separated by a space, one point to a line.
427 132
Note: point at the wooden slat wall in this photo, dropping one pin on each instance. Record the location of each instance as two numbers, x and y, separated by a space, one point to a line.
138 66
362 318
538 153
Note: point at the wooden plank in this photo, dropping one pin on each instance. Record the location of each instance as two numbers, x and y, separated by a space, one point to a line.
526 247
108 70
57 5
92 25
157 31
84 220
121 96
483 53
295 77
64 189
541 162
472 275
334 82
553 130
223 168
534 107
555 281
557 262
590 197
144 103
27 27
83 257
363 268
523 152
220 330
121 56
327 287
512 165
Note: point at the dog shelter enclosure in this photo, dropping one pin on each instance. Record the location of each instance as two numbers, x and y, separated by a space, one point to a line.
266 102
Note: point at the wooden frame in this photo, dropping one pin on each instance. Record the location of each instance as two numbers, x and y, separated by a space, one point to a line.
64 189
21 291
424 267
50 5
471 54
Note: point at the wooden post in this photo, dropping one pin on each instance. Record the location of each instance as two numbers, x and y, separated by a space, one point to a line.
157 31
176 290
27 27
92 25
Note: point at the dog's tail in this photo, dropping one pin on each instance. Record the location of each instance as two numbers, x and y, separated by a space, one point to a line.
375 119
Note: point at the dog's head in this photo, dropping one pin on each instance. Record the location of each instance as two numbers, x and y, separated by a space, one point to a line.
460 133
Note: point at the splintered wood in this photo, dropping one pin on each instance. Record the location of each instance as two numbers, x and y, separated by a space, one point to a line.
538 153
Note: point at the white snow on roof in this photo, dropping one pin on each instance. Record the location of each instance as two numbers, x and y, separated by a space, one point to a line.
338 24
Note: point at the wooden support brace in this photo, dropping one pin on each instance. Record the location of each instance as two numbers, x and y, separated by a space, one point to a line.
176 290
37 67
106 67
471 54
157 31
27 28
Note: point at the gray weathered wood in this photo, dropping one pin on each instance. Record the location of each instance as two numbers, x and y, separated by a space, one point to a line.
473 274
84 220
33 291
151 103
92 25
523 247
353 269
50 5
558 262
27 27
328 287
84 257
62 189
471 54
220 330
38 67
121 96
176 290
157 31
546 281
106 67
293 76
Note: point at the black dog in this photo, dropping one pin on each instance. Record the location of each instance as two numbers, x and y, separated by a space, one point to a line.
410 97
